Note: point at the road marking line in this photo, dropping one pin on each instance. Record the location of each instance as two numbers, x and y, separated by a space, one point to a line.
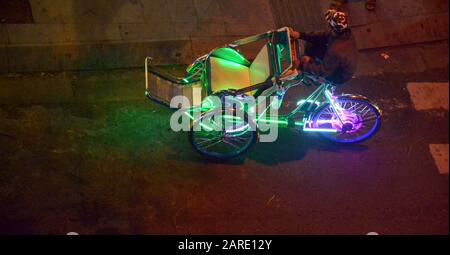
440 156
428 95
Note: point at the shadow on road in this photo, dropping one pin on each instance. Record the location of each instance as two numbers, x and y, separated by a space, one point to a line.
291 145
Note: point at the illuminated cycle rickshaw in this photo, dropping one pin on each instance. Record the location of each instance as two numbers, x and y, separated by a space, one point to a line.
225 73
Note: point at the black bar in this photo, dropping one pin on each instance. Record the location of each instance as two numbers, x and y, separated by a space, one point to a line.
228 245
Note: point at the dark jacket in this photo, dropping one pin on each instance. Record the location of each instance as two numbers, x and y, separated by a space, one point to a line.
334 55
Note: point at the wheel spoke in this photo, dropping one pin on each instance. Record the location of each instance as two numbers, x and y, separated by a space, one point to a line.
206 140
212 144
366 120
231 144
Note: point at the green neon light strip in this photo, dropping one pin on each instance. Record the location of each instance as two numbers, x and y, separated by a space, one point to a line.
279 57
337 108
189 115
232 117
283 122
206 127
273 121
207 104
309 101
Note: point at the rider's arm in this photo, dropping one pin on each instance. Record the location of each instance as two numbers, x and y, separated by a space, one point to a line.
315 37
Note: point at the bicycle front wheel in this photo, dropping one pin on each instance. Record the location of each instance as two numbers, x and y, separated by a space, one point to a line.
360 120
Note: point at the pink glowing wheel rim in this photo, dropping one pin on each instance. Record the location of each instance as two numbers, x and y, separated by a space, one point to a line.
360 120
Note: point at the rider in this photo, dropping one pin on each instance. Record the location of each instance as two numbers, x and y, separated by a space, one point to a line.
330 54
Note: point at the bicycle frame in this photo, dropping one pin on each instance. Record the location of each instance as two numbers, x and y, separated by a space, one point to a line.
313 101
322 95
233 92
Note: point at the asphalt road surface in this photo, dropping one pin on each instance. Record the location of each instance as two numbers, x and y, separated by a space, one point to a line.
117 168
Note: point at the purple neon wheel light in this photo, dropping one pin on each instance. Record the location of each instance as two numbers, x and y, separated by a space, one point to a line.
360 120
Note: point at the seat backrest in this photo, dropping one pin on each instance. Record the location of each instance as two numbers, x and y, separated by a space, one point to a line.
225 74
260 67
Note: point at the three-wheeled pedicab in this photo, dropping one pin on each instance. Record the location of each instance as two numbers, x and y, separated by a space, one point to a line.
217 131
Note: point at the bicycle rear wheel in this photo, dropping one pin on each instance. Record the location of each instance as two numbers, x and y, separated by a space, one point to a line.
217 134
